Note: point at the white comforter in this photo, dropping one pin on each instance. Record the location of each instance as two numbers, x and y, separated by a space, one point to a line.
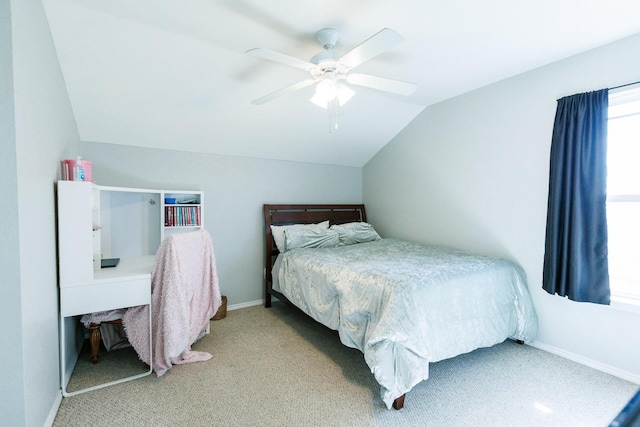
405 305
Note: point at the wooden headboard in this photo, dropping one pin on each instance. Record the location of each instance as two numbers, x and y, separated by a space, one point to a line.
301 214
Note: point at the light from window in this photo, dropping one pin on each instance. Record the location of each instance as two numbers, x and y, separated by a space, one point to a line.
623 194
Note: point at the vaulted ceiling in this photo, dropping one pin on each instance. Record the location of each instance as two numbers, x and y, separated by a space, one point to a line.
174 74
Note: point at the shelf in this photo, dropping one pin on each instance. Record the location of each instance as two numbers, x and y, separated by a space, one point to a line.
183 213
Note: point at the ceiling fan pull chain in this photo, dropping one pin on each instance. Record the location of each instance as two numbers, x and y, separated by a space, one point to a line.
332 108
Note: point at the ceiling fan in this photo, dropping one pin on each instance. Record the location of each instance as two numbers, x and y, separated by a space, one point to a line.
329 70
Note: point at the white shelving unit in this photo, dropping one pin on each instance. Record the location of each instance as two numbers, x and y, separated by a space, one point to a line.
184 213
96 222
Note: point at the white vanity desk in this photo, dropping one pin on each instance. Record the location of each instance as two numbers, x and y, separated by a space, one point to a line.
126 285
97 222
84 286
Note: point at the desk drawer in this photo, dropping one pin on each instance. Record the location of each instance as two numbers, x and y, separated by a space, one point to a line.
105 296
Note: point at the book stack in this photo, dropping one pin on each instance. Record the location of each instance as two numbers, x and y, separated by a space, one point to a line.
182 216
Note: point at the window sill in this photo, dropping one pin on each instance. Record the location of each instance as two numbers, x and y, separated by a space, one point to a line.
625 304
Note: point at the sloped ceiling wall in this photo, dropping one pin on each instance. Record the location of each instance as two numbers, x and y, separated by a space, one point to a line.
175 75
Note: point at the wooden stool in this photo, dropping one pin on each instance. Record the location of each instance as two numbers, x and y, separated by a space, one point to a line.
95 338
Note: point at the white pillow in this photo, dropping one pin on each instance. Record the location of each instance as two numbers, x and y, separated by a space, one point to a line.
310 237
355 232
278 232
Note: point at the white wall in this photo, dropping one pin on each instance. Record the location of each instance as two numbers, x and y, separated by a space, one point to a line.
472 172
11 398
44 131
235 188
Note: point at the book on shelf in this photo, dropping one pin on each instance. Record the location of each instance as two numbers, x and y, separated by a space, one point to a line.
182 216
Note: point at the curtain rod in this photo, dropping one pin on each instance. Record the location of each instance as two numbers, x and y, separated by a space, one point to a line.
624 85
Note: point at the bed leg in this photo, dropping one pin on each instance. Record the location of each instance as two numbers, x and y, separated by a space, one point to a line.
267 300
520 341
399 402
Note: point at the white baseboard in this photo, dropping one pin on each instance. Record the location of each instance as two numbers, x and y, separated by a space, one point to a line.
245 305
54 410
616 372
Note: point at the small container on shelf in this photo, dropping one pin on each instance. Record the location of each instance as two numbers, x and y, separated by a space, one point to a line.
76 169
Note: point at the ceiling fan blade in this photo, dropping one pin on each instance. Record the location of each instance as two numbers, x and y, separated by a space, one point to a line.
381 41
280 58
281 92
381 83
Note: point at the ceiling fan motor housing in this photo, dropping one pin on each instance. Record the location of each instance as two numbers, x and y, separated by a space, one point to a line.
327 62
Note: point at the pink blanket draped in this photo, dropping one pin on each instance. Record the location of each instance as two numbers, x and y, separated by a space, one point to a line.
185 294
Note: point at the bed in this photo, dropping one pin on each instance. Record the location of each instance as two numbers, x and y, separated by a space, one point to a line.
404 305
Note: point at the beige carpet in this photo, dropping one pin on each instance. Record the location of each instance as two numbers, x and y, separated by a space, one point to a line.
276 367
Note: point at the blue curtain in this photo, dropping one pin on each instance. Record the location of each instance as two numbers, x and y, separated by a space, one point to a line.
575 258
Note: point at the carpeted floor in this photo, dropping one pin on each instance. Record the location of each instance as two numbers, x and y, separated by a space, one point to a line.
276 367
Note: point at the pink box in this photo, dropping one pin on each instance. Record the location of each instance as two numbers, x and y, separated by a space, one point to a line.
67 169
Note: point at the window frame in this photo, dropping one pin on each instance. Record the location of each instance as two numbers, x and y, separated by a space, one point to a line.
617 100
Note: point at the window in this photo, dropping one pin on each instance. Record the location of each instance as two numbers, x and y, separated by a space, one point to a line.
623 194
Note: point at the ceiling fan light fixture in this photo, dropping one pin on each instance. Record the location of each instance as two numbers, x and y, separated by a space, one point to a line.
343 93
328 90
325 92
319 102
